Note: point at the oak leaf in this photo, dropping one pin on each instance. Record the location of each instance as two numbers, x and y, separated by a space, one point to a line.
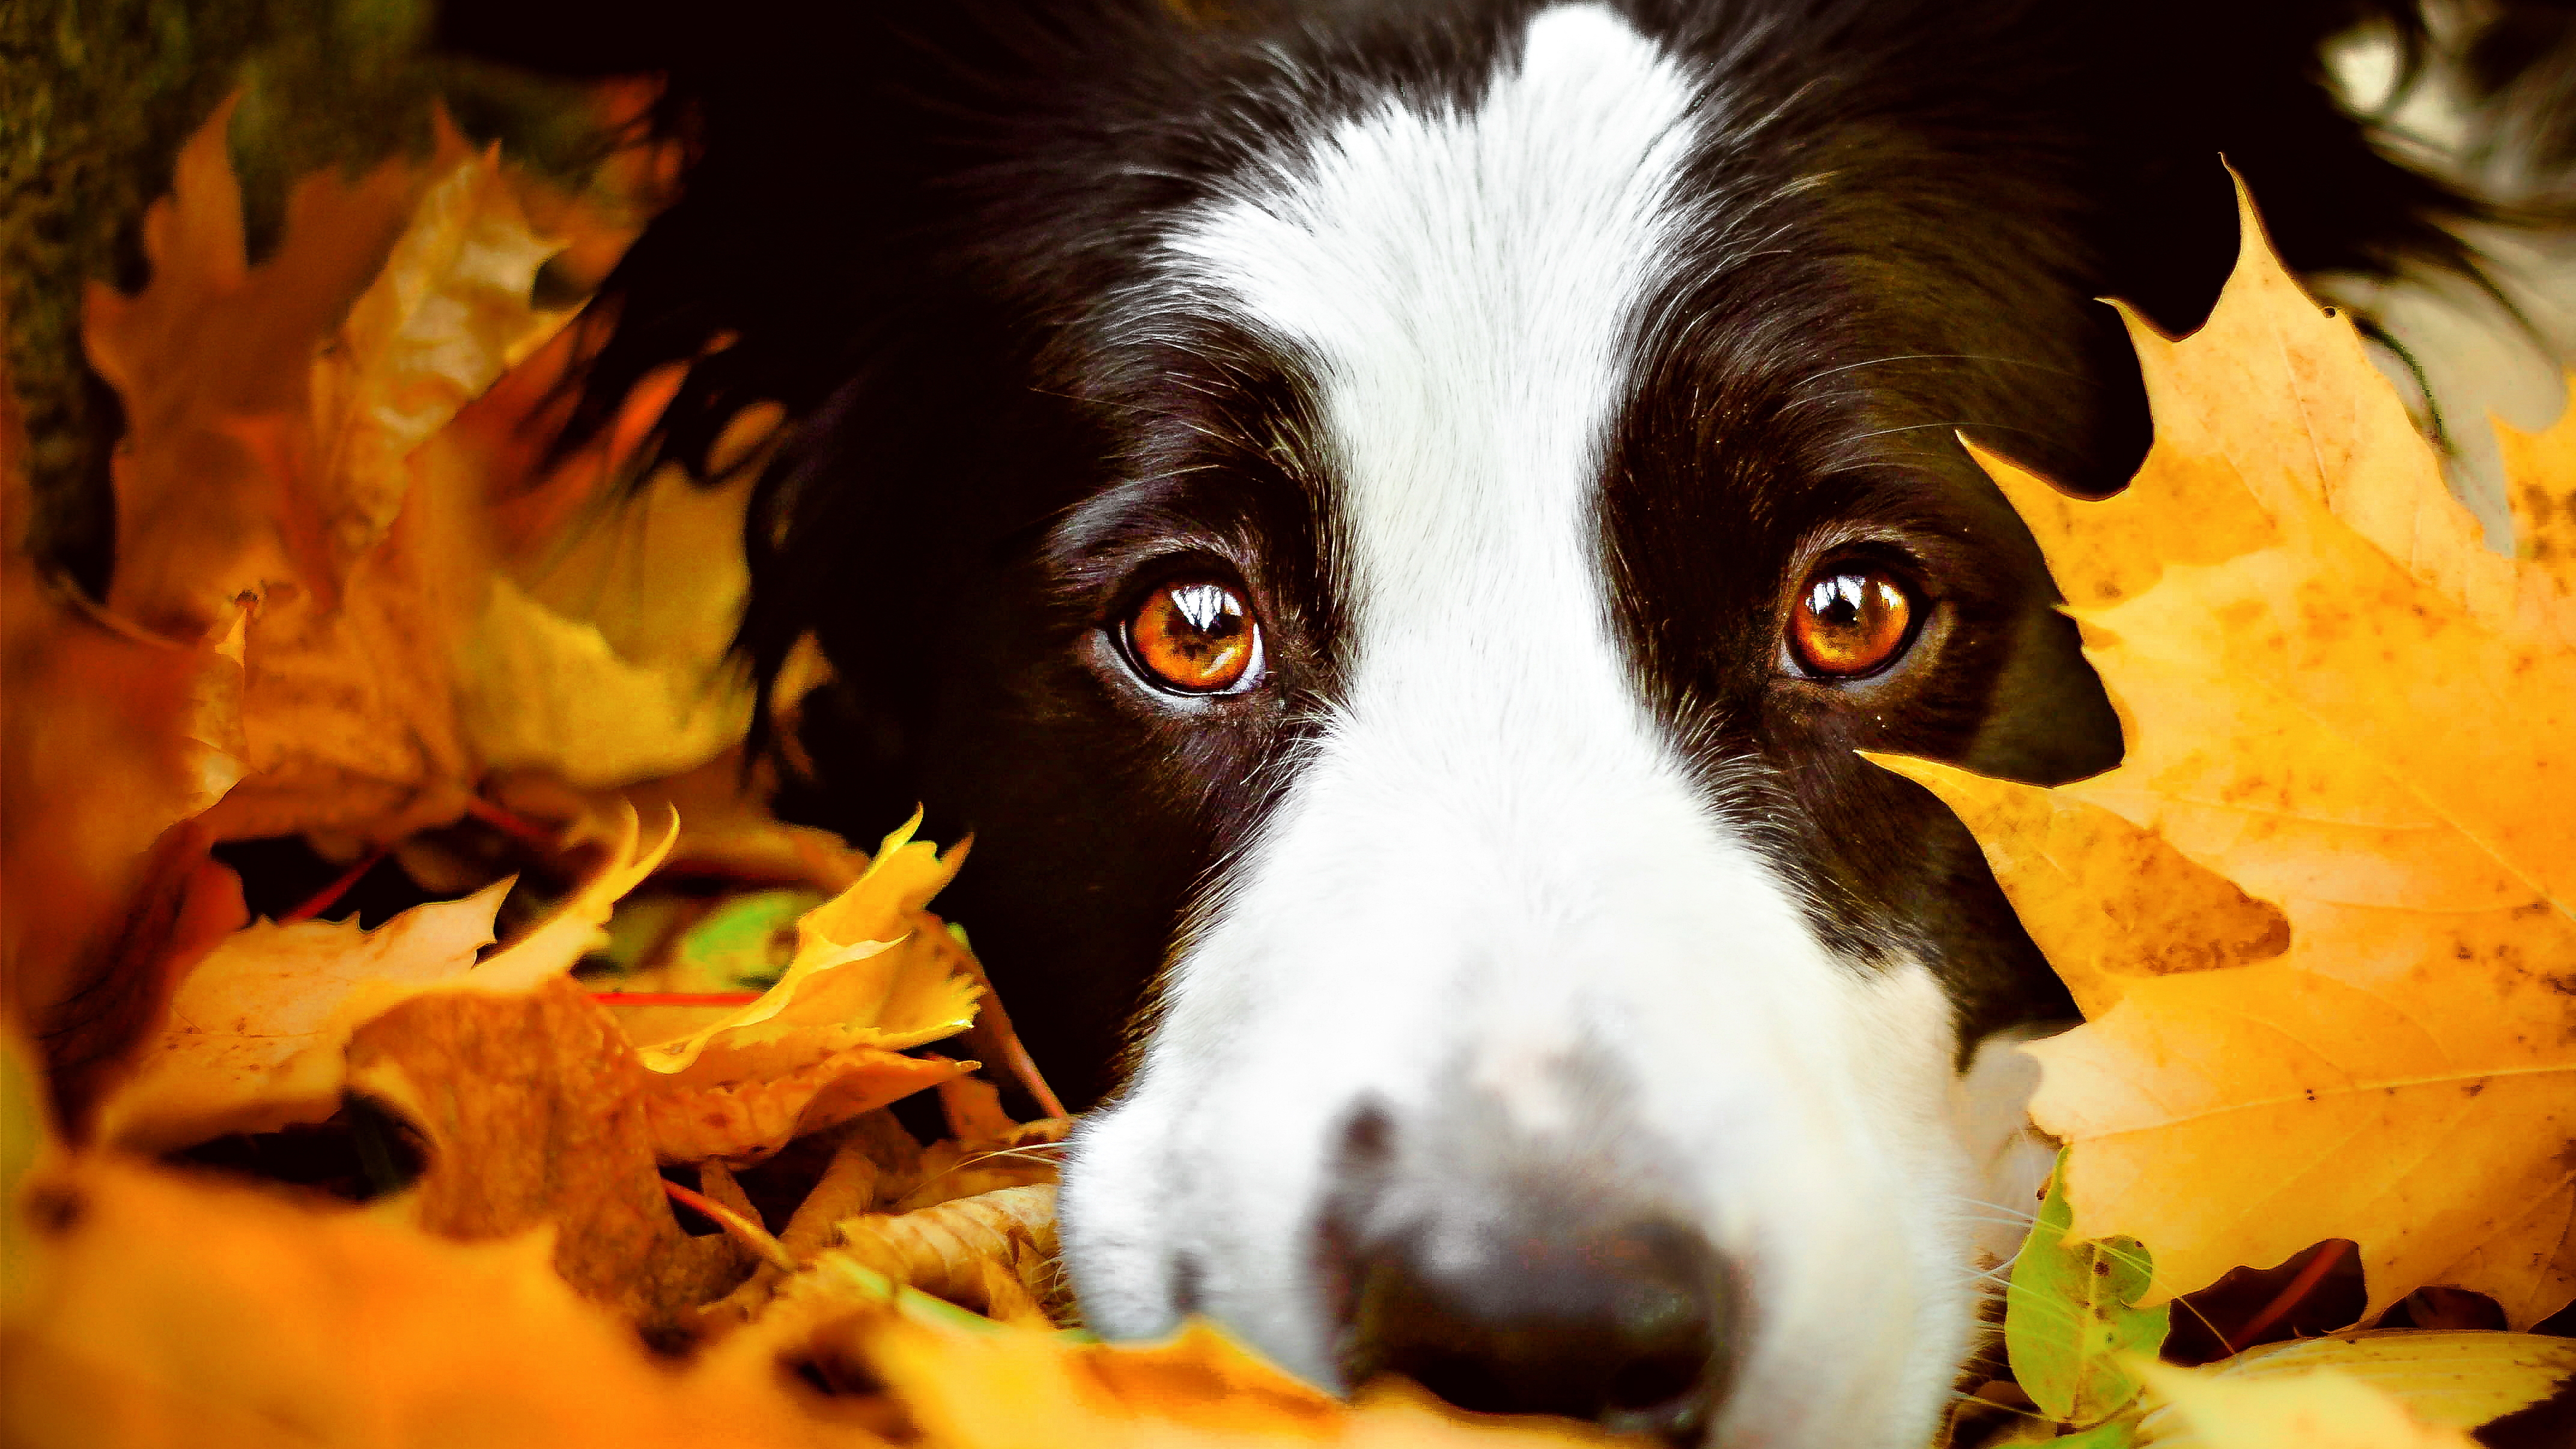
2339 701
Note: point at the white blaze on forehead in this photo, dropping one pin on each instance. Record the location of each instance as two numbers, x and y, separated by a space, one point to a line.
1466 285
1493 862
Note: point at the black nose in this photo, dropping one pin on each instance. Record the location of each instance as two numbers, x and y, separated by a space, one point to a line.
1625 1327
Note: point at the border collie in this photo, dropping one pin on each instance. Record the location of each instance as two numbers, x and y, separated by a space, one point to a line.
1390 522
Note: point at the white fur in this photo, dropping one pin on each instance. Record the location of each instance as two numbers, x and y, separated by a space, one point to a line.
1494 857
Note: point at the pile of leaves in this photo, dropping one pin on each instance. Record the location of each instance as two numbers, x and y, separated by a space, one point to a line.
712 1147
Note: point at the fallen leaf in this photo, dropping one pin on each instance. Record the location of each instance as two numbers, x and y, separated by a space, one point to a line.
531 1107
741 1122
544 690
256 1034
446 315
993 1252
2331 696
115 744
2104 900
2070 1320
2458 1380
873 974
161 1309
353 711
959 1380
2319 1409
2542 466
213 363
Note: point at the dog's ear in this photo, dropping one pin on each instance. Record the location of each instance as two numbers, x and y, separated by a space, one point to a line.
814 209
890 529
818 257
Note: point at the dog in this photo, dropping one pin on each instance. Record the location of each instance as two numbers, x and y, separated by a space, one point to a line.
1391 524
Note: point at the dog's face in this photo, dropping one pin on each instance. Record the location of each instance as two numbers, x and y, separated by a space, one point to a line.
1517 544
1396 527
1391 521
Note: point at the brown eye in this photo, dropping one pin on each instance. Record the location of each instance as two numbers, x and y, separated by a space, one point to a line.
1850 620
1195 636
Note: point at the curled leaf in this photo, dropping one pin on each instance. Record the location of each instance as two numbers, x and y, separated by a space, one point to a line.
966 1251
873 975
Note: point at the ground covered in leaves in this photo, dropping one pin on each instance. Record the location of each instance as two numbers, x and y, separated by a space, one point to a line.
419 1030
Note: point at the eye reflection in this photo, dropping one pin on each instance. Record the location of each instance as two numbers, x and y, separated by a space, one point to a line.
1196 636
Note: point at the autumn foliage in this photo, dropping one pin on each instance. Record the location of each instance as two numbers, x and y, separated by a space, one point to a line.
622 1167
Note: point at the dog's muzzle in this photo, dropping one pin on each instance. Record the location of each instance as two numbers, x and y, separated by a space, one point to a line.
1506 1282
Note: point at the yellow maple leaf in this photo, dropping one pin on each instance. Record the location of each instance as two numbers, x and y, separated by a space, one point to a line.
156 1310
290 444
2456 1379
2339 704
961 1381
2319 1409
873 975
213 362
871 967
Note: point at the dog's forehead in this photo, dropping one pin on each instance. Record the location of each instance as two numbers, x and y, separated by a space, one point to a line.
1461 286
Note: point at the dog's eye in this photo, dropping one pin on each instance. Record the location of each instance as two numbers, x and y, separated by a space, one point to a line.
1850 619
1195 636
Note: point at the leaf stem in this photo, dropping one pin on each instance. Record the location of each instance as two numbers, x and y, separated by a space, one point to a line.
329 896
2291 1293
746 1232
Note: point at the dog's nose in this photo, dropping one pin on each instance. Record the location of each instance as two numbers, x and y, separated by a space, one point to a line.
1625 1327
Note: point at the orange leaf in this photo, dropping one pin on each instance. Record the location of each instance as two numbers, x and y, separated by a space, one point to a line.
2336 699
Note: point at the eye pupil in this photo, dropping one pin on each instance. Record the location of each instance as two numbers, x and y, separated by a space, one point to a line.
1850 621
1196 636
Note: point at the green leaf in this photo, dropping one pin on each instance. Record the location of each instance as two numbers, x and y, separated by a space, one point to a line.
744 943
2071 1313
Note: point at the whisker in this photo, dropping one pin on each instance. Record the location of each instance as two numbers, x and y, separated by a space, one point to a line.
2025 1214
1964 1397
1938 357
1952 426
